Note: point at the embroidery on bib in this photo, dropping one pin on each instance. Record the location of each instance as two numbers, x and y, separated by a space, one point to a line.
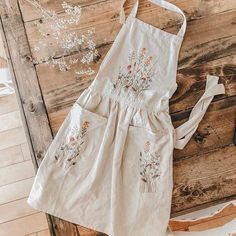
70 148
149 169
136 76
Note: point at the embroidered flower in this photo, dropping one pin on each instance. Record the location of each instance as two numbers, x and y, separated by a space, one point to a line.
143 50
149 168
147 146
70 148
137 75
86 124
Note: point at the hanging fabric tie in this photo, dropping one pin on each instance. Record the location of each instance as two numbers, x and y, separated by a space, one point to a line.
184 132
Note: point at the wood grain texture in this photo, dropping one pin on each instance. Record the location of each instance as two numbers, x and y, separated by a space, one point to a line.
28 92
15 191
25 225
11 156
206 178
209 47
16 172
8 104
106 23
14 210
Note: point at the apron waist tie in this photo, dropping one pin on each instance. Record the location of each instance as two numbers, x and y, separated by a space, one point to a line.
184 132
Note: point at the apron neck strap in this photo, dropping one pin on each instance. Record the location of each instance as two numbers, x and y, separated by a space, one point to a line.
162 3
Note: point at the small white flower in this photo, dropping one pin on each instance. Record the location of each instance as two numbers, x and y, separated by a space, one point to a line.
55 26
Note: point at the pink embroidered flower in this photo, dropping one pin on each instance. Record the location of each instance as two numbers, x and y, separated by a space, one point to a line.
86 124
72 140
143 50
129 67
147 62
147 146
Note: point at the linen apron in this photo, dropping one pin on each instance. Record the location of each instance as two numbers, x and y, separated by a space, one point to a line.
109 167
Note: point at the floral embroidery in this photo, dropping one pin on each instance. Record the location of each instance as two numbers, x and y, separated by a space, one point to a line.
71 147
137 75
149 168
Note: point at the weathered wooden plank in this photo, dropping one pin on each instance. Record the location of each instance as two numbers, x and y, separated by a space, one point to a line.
64 228
25 79
206 179
192 8
192 81
30 13
24 76
88 232
107 26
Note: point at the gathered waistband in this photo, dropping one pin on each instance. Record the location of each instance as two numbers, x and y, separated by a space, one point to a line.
129 97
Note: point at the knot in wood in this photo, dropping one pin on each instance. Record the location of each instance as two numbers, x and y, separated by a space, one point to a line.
199 138
39 155
31 107
97 58
28 58
6 16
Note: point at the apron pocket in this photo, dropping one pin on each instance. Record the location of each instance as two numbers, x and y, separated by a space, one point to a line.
147 149
79 138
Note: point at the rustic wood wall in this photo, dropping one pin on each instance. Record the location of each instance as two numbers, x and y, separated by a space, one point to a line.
205 171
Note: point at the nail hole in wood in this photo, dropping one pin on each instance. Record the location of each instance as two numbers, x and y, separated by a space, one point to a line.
199 138
39 155
31 107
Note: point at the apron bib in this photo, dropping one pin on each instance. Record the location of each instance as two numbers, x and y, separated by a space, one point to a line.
109 167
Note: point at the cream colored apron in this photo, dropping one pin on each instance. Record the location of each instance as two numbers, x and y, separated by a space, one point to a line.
109 167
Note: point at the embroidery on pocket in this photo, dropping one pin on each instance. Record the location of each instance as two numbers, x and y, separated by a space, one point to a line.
70 149
149 169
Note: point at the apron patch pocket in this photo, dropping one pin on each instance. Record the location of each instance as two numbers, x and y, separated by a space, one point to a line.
144 156
81 138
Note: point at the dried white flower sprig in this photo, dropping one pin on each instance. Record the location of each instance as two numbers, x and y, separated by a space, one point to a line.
56 26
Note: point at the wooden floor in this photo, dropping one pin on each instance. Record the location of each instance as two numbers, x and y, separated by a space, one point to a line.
17 218
208 161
